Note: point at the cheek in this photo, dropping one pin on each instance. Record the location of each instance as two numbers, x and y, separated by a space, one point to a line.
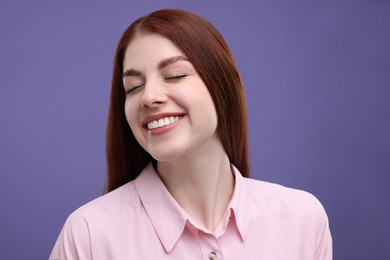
204 108
132 111
207 104
211 111
131 114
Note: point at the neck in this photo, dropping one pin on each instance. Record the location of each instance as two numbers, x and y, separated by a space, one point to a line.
202 184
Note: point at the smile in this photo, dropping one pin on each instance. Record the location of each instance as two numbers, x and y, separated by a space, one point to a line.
163 122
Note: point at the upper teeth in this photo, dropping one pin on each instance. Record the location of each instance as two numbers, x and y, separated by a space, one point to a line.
163 121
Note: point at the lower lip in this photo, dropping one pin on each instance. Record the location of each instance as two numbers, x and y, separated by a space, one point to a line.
164 129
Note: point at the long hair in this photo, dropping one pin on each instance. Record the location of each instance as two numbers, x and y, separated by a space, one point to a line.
209 54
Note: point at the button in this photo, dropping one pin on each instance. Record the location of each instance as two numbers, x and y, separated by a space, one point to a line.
212 256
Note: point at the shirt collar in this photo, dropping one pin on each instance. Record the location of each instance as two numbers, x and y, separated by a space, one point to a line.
169 218
166 215
239 204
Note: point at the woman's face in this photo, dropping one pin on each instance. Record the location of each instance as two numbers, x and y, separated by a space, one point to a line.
168 107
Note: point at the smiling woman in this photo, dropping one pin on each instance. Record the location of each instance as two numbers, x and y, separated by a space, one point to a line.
205 48
177 183
167 85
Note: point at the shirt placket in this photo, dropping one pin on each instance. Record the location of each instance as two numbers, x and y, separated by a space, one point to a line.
211 248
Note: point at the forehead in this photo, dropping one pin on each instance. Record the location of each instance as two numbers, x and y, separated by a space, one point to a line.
149 49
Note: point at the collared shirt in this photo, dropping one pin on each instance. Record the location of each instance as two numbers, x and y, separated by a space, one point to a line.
141 220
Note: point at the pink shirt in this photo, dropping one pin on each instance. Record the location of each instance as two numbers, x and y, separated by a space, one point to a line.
141 220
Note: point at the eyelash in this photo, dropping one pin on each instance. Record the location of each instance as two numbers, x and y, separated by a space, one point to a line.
176 77
133 88
173 78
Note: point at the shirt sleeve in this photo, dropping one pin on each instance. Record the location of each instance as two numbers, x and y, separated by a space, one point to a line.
74 240
324 248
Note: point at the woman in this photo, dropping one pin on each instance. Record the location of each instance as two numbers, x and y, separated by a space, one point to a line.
177 185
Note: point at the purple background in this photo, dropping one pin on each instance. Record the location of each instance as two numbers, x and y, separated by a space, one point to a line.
317 80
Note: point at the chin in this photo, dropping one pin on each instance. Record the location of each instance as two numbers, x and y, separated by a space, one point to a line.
166 155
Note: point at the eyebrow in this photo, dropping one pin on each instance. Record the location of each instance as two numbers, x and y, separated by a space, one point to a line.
170 61
131 72
162 64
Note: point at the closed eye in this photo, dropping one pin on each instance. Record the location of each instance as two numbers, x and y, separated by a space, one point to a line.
176 77
134 88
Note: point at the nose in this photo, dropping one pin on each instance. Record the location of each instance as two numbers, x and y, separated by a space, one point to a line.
153 95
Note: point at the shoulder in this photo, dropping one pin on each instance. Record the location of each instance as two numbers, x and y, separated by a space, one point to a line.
89 224
277 199
296 215
107 207
275 190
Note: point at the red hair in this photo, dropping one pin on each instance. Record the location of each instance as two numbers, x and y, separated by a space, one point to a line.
209 54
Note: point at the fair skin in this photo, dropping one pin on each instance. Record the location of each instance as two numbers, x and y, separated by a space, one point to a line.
172 116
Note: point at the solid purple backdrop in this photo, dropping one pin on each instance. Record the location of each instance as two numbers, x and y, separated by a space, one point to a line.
317 80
